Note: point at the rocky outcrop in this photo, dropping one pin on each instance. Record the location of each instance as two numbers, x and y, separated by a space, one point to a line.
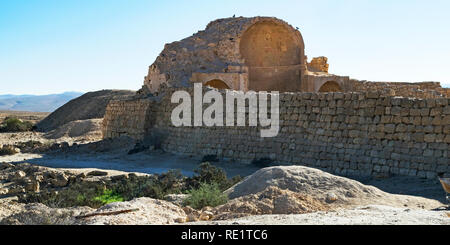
23 179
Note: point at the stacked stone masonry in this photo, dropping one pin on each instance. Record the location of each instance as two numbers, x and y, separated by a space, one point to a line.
319 64
415 90
355 133
328 121
126 117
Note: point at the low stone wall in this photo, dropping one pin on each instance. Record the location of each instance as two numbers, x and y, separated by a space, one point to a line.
127 117
343 133
422 90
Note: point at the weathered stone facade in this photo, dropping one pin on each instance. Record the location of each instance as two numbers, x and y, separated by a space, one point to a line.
414 90
361 128
260 54
345 133
319 64
127 117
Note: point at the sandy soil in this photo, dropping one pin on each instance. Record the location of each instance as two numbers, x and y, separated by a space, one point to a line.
49 138
24 115
14 138
364 215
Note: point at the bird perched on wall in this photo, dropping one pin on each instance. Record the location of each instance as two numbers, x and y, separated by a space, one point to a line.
234 16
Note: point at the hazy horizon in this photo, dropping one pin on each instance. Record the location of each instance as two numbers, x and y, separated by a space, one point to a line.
51 47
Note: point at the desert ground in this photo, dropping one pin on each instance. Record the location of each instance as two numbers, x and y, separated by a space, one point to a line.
75 154
24 115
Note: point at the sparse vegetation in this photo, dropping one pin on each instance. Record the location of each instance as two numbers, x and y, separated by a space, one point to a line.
78 194
109 196
154 186
206 195
206 188
13 124
207 173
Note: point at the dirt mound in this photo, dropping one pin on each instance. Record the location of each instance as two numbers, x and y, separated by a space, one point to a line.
88 106
334 190
140 211
77 128
272 200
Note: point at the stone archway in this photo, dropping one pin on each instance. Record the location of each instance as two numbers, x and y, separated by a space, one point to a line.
216 83
274 54
330 86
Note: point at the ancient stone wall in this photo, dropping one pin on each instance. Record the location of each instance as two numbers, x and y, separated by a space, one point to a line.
414 90
319 64
127 117
344 133
352 133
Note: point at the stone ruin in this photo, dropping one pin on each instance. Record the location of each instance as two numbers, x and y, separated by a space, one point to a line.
332 122
259 54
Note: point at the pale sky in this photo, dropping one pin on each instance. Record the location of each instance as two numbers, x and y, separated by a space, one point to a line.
52 46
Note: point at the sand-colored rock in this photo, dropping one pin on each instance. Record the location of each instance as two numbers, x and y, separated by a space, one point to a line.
325 187
150 212
271 200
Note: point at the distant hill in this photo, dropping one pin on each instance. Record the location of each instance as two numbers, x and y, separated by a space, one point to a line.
36 103
88 106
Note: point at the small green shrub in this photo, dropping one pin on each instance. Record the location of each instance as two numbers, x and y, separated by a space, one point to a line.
206 195
76 195
154 186
12 124
109 196
207 173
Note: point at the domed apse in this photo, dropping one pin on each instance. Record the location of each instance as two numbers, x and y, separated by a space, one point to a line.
273 54
330 86
216 83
